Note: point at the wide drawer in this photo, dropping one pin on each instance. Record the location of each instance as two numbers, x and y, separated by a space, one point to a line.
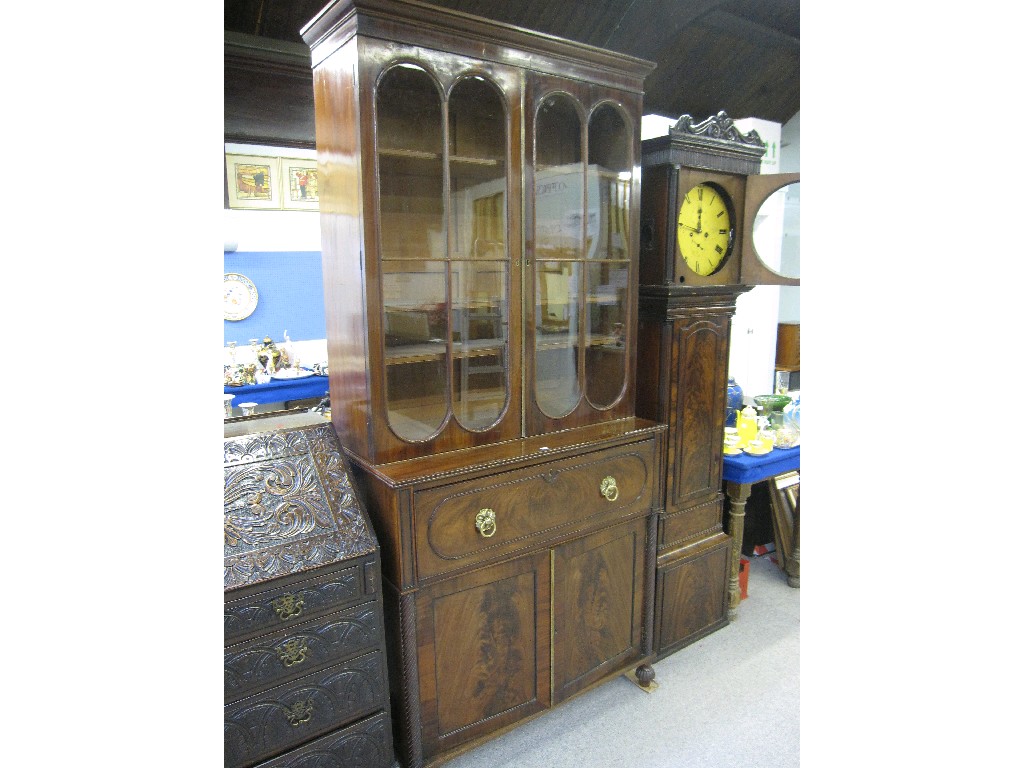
298 601
366 744
269 723
470 522
271 659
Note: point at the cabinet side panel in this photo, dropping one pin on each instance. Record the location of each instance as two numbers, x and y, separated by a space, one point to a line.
338 153
655 259
652 355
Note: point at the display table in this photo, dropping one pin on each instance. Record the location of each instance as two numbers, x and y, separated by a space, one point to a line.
739 473
279 390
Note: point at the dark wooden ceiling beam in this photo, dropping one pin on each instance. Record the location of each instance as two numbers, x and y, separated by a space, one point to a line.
755 32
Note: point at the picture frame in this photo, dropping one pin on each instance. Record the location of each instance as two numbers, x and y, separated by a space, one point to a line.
253 181
300 184
784 492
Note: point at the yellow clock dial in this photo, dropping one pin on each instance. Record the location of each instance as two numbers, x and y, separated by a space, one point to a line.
704 230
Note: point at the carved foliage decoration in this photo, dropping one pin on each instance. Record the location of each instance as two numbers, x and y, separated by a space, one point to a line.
288 505
719 126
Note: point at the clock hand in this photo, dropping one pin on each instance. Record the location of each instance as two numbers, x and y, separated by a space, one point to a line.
687 226
698 221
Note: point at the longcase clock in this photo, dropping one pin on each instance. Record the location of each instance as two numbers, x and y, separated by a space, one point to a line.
701 191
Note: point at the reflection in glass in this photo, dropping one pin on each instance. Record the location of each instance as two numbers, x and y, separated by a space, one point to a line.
477 151
609 184
606 331
777 231
557 337
558 213
559 229
479 342
414 280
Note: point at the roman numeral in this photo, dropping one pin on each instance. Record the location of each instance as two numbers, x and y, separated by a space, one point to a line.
718 248
700 193
719 214
723 231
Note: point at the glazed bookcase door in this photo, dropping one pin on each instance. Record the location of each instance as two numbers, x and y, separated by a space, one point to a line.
448 279
580 256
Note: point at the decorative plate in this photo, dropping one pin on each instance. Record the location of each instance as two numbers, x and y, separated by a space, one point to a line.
240 296
291 373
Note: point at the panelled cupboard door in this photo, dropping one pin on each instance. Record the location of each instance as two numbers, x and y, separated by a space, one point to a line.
598 602
484 651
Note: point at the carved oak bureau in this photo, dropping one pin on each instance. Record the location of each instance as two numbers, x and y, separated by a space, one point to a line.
305 672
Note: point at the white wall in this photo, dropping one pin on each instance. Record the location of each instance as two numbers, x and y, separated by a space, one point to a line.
252 230
789 162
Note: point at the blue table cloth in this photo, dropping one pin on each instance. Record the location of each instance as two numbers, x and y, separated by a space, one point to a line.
747 469
279 390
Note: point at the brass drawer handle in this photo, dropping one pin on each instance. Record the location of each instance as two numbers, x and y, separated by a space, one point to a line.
292 652
486 523
609 489
287 607
300 712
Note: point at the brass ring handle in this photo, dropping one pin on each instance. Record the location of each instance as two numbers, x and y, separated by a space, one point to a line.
609 489
486 523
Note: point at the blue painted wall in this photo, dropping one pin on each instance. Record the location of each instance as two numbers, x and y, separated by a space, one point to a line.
291 296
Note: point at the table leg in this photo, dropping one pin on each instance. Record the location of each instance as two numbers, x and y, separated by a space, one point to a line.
738 493
793 563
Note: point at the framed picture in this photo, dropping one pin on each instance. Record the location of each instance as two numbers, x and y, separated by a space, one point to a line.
301 189
253 182
785 493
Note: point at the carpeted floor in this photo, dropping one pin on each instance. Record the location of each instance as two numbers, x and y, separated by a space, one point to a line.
730 699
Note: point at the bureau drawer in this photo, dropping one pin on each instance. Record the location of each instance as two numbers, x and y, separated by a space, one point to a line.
271 659
284 606
269 723
473 521
366 744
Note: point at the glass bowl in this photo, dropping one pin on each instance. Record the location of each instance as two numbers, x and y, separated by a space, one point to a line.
772 403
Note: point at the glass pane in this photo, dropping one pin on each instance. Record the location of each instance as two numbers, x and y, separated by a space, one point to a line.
414 270
777 231
477 150
415 347
607 283
558 212
409 163
479 342
558 234
556 342
609 182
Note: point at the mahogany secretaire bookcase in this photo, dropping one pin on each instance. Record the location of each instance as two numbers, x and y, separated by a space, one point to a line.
479 208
